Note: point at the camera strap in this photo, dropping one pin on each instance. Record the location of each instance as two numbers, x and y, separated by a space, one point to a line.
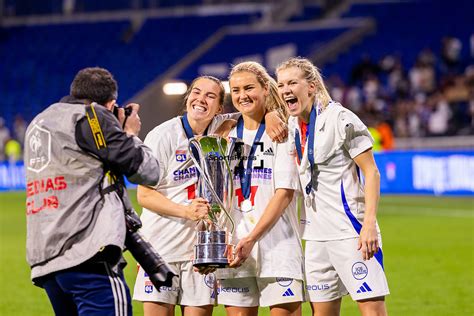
95 127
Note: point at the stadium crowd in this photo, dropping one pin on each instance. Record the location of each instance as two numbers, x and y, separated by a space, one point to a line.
433 97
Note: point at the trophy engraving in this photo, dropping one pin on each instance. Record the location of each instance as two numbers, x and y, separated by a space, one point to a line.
215 159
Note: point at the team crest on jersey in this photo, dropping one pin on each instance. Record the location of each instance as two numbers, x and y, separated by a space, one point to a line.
180 155
148 287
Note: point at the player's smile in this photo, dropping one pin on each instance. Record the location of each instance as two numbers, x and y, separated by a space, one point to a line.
203 101
296 91
247 93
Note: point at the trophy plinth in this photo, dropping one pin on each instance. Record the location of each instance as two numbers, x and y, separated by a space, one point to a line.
212 249
214 158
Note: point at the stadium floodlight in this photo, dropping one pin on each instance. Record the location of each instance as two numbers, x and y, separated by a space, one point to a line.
175 88
226 86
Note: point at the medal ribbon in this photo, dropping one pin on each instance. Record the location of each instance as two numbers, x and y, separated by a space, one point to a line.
189 133
246 174
312 127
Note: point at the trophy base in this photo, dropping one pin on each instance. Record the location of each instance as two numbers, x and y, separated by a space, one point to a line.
212 250
212 255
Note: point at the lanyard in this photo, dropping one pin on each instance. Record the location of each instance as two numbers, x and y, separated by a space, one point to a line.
310 135
311 129
246 174
189 133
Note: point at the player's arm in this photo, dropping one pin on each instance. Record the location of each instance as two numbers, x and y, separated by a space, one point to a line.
275 126
156 202
368 240
275 208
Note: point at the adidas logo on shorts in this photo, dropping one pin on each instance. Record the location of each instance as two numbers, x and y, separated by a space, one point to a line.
269 152
288 292
364 288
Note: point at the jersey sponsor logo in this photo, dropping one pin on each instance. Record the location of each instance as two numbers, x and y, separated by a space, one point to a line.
288 292
364 288
148 287
317 287
180 155
39 142
284 281
185 174
269 152
209 280
359 270
230 290
257 173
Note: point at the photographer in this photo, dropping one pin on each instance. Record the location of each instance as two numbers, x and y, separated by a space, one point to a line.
76 153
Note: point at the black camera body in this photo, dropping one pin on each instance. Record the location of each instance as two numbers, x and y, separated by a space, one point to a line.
158 271
127 111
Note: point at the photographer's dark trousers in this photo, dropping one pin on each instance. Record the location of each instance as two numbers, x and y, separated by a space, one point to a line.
88 289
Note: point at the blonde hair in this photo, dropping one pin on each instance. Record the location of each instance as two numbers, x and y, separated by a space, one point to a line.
273 102
311 74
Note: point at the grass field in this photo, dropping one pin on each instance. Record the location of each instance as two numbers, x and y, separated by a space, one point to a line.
428 252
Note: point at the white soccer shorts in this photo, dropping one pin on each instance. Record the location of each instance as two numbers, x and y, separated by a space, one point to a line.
190 289
335 268
249 292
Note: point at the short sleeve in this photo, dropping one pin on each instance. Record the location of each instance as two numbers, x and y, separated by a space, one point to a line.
286 173
159 143
355 135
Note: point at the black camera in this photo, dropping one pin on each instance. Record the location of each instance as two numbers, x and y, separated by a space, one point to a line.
127 110
158 271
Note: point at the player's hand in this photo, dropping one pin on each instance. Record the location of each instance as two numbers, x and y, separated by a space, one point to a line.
368 241
224 129
197 210
204 270
275 127
133 124
242 251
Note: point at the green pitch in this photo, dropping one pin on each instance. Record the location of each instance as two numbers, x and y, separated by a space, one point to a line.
428 245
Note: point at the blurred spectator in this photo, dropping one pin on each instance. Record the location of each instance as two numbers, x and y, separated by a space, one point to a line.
440 115
4 137
451 63
19 129
377 145
13 150
386 135
363 69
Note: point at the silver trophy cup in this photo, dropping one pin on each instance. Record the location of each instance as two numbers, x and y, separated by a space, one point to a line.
215 159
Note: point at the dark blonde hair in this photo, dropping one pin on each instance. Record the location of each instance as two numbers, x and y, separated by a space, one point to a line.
217 81
311 74
273 102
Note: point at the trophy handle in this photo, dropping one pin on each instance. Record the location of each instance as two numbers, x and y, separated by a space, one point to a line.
205 175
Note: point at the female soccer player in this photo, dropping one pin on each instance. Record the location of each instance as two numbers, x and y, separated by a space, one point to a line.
171 209
268 256
343 244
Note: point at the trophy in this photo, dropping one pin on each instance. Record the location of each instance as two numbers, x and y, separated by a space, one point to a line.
215 159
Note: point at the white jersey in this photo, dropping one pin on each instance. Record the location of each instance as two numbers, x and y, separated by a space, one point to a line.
173 237
334 208
278 253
